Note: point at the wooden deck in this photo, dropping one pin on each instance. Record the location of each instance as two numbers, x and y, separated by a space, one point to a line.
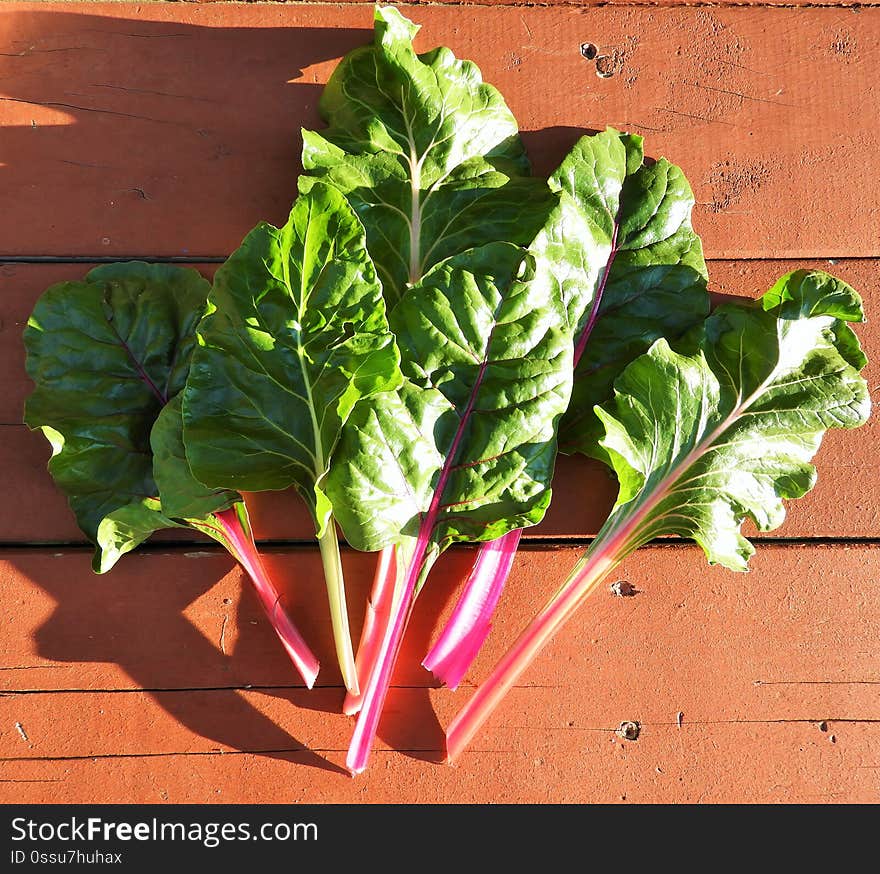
167 131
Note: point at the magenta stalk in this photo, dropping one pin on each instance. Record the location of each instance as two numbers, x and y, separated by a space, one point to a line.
471 620
240 544
587 574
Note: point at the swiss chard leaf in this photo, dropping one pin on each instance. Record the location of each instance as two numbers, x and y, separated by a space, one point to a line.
620 249
723 424
183 496
126 527
296 334
385 466
109 357
106 354
469 439
628 264
706 432
427 153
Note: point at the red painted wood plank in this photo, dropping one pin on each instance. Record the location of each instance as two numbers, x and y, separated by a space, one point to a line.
842 504
173 128
721 763
839 4
579 4
155 129
309 724
754 663
183 620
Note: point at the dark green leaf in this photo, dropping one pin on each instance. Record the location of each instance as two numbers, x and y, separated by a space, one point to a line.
469 441
628 264
106 354
296 335
183 496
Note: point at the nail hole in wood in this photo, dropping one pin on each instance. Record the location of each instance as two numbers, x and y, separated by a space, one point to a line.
629 730
589 51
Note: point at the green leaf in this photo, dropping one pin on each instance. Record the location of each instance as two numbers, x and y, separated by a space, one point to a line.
628 265
109 356
427 153
126 527
296 335
465 449
386 464
183 496
467 445
105 355
723 424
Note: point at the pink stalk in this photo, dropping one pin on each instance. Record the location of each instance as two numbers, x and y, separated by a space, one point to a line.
389 649
376 619
470 623
584 338
240 543
586 576
482 584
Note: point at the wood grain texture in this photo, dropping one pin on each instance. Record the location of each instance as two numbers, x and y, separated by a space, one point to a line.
754 663
843 504
171 129
722 763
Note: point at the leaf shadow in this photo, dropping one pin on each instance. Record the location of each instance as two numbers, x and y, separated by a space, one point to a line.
546 147
137 620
